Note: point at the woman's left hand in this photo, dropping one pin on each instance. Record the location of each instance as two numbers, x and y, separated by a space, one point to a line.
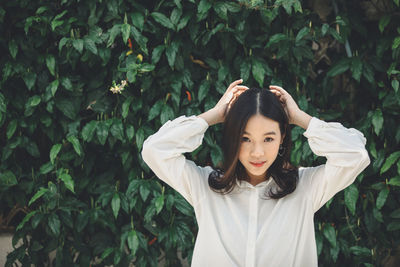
295 114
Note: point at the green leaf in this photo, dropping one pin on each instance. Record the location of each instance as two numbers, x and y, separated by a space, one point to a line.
324 29
12 126
69 107
115 204
66 82
383 22
54 152
56 22
183 206
13 47
29 79
62 43
125 30
46 168
170 52
69 183
26 219
78 45
37 195
393 226
276 38
394 181
221 10
216 155
356 68
144 190
302 33
350 198
390 161
33 101
297 6
377 121
395 85
155 110
381 199
88 130
32 149
395 214
114 31
51 64
203 90
166 114
360 251
137 20
90 45
233 7
159 203
54 224
157 52
82 220
396 43
330 234
102 131
106 253
125 107
75 143
146 67
340 67
7 179
203 8
175 15
163 20
53 86
184 21
245 67
130 132
259 72
133 241
117 130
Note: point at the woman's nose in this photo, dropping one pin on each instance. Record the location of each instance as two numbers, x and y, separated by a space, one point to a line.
257 151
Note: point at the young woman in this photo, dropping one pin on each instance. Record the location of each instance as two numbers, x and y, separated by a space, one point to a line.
258 209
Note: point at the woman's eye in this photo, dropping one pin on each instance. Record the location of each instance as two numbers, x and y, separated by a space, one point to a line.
269 139
245 139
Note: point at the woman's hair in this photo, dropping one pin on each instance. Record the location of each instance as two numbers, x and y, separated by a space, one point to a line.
251 102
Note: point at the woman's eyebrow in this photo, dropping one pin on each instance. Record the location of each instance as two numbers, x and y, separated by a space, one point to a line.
267 133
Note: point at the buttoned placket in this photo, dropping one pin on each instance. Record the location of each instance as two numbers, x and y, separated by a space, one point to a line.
252 227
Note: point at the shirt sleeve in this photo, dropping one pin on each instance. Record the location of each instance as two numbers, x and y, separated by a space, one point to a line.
163 153
346 158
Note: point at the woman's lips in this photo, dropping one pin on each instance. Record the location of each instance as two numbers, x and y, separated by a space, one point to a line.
257 164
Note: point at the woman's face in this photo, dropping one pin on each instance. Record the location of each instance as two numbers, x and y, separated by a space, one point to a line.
259 146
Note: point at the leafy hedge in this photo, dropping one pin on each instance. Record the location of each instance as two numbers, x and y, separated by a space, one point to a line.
71 174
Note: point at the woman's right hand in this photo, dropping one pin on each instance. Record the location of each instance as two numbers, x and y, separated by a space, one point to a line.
217 114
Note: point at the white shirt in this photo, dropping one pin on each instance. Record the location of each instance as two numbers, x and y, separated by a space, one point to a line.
243 228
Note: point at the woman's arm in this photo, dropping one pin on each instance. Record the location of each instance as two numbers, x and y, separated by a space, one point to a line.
217 113
344 149
295 114
163 151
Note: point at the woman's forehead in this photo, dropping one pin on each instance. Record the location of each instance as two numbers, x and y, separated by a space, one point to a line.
261 125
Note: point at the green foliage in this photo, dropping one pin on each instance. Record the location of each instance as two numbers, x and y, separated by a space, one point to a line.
71 148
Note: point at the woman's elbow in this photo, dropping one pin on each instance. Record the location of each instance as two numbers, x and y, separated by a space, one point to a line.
364 159
147 152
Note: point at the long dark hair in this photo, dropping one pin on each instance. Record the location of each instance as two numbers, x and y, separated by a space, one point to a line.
251 102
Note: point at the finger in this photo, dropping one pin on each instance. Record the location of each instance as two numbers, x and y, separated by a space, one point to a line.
241 87
235 83
276 93
278 88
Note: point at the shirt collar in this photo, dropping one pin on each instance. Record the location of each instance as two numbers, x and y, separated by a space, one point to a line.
245 184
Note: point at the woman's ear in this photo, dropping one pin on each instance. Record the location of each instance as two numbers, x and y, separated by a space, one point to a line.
282 138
